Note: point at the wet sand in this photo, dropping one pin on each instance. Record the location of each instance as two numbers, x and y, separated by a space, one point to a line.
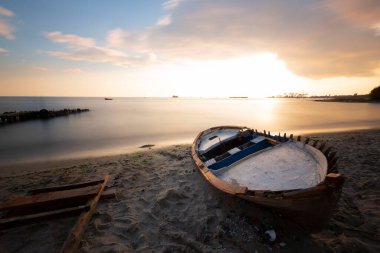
163 204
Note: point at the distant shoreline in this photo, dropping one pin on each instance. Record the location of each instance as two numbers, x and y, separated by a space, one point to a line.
347 100
338 98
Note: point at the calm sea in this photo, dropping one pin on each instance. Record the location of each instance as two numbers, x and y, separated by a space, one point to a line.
124 124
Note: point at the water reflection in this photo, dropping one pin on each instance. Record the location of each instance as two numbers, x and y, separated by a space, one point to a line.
124 124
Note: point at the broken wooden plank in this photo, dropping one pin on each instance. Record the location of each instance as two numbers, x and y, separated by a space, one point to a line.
65 187
108 194
51 198
21 219
72 242
7 222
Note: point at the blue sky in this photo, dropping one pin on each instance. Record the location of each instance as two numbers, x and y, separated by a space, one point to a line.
33 19
188 47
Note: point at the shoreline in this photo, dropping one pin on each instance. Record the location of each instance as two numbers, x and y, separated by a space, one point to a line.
12 169
163 204
347 100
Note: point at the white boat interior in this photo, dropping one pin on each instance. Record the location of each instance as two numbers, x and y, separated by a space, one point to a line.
247 159
214 138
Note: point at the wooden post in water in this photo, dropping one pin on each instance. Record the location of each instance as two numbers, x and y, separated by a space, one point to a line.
299 138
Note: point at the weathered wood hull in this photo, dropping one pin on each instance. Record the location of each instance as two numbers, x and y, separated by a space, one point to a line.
311 208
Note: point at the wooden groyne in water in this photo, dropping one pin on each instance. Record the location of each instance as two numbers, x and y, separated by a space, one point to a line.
14 117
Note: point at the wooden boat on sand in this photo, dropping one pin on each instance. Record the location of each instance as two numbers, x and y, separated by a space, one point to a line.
294 178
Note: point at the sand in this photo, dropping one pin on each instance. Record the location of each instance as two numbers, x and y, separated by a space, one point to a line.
164 204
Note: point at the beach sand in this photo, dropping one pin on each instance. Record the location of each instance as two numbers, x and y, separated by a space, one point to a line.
164 204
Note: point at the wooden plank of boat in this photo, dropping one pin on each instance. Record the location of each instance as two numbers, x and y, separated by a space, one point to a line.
72 242
50 199
10 219
65 187
7 222
273 171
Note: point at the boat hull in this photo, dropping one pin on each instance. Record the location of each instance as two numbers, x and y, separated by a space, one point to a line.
311 208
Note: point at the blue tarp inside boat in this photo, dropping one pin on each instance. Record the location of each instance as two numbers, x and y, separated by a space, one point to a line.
241 154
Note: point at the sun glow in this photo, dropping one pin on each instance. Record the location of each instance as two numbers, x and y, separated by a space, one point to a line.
253 76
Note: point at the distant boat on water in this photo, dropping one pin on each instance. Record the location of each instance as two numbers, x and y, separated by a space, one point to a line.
108 98
174 96
238 97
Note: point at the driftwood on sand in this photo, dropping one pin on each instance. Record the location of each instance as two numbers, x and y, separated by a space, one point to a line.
72 242
57 201
65 187
8 222
22 219
50 199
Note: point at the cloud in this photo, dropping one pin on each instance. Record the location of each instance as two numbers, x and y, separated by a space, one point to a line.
74 71
171 4
5 12
72 40
164 20
41 69
376 29
315 38
121 38
363 12
6 29
3 51
85 49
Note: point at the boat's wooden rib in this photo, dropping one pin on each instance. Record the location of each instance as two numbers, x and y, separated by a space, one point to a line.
322 146
50 199
65 187
6 222
327 151
72 241
310 207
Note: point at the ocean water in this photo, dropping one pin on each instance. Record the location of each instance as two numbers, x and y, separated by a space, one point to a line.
124 124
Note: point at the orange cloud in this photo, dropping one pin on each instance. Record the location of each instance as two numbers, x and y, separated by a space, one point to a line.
315 39
85 49
6 29
71 39
6 12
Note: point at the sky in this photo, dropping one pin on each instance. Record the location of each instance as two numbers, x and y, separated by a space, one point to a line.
189 48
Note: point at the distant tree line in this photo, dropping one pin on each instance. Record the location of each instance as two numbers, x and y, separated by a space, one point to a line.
293 95
375 93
